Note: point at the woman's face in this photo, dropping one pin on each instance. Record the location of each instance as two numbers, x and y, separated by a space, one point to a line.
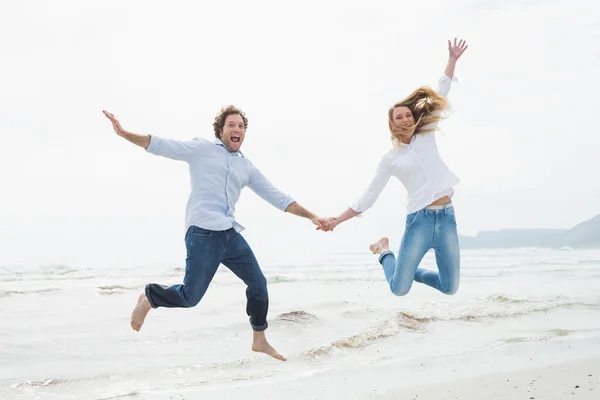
403 117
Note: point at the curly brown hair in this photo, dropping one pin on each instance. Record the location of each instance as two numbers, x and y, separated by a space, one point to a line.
222 116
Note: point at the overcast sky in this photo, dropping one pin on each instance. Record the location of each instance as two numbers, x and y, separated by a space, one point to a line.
315 79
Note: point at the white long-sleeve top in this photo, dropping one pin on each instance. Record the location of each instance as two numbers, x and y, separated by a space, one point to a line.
418 166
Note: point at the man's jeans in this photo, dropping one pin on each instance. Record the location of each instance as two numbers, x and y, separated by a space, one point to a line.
205 251
430 228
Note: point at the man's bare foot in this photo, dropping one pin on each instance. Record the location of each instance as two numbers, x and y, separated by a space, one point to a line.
139 312
260 345
380 246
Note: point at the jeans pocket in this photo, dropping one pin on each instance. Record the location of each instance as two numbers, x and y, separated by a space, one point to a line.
411 218
196 231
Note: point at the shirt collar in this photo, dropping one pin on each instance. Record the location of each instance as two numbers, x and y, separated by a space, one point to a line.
218 142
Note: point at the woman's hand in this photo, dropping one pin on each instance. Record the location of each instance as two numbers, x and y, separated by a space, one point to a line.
457 49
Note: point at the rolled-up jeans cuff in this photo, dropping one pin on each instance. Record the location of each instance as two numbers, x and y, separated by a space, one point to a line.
385 253
149 297
259 328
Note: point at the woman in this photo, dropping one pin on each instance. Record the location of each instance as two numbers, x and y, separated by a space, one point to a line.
416 162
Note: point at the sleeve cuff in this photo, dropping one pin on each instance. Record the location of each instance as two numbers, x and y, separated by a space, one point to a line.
354 207
287 203
446 78
154 144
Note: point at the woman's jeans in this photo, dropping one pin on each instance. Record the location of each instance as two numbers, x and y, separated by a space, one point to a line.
433 227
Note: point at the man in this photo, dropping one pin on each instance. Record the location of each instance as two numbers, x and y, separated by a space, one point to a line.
218 172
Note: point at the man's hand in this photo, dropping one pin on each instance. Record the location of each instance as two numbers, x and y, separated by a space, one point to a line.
115 123
138 140
325 224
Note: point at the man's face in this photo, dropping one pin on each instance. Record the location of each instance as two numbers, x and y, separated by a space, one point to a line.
233 132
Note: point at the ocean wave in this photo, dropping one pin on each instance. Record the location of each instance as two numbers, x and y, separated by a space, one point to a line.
473 273
119 396
499 306
13 278
385 329
8 271
279 279
52 278
56 269
7 293
492 307
362 313
38 384
560 332
200 375
522 339
211 380
502 306
550 334
412 322
114 289
390 327
499 298
217 373
42 272
558 262
29 385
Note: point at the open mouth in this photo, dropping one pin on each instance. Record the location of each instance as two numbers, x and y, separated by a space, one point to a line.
235 139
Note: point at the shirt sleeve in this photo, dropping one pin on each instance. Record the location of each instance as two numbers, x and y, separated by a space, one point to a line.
443 88
444 85
379 181
266 190
174 149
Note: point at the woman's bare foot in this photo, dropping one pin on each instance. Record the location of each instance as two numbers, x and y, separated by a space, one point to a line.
380 246
260 345
139 312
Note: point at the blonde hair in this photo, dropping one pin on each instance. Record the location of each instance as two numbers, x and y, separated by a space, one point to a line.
426 106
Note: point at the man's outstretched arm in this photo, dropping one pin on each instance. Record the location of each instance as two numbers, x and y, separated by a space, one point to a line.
170 148
138 140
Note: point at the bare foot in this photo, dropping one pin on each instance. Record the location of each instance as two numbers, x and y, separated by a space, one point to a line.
380 246
139 312
260 345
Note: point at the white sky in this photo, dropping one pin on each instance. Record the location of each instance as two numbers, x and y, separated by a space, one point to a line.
315 79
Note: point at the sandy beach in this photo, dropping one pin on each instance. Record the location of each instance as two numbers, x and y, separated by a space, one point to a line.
572 380
561 369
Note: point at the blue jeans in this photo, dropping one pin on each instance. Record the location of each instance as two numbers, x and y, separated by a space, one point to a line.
425 229
205 251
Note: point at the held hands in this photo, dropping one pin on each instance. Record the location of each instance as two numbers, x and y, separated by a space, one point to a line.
457 49
325 224
115 123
